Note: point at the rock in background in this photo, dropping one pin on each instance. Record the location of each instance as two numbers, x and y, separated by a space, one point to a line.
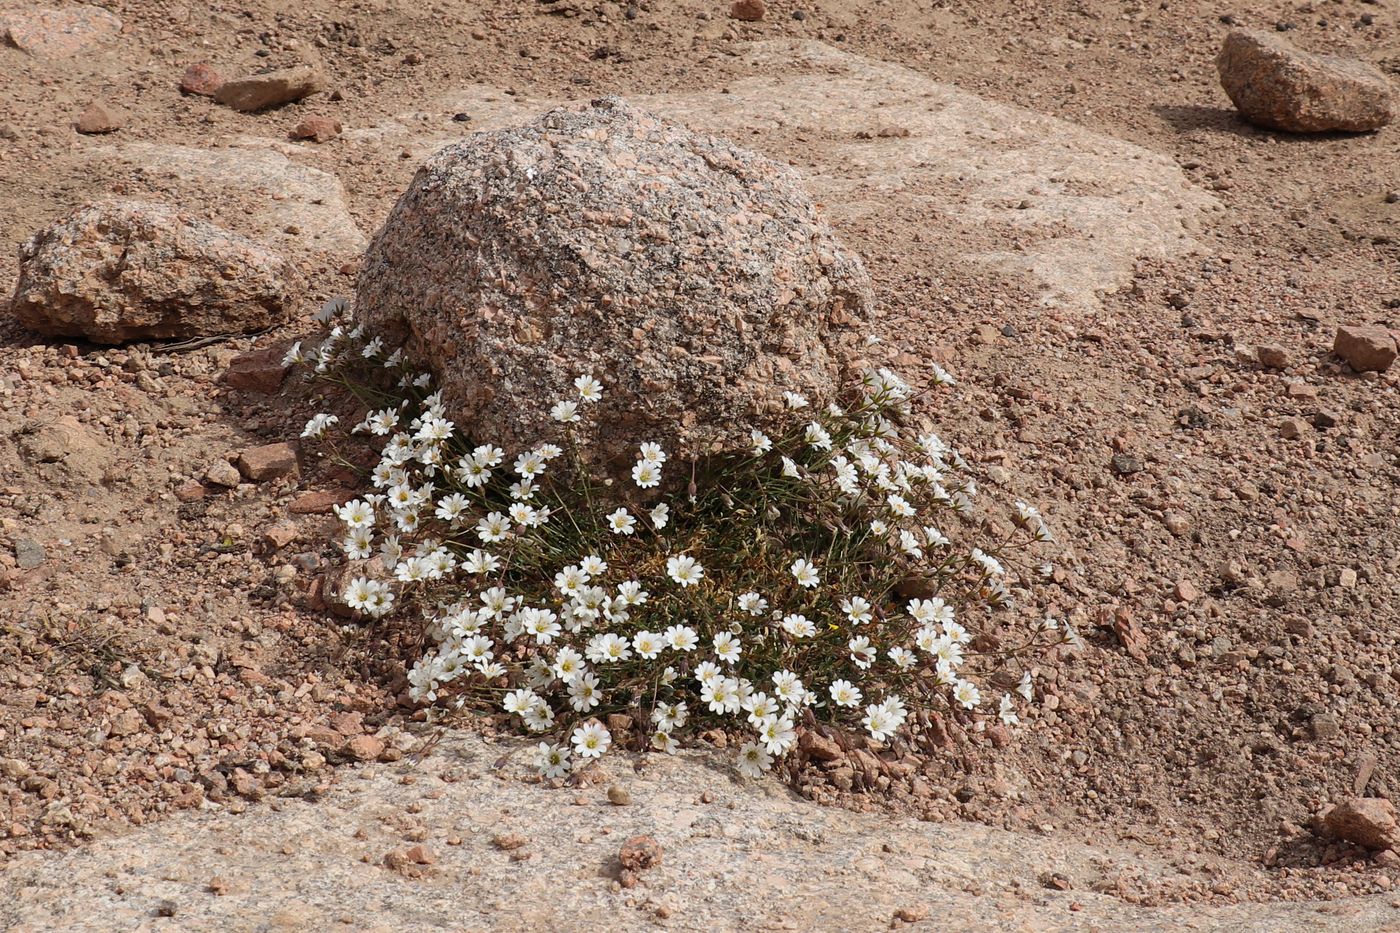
136 271
694 278
1275 84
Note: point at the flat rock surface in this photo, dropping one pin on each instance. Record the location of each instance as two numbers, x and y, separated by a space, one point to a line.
735 855
58 34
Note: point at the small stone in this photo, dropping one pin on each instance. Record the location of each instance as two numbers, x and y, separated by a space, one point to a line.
1365 347
1291 428
619 796
1324 726
29 553
127 722
1324 419
99 118
1176 523
1272 356
1346 579
222 473
261 91
818 746
268 462
640 852
1187 592
1277 85
748 11
200 79
1366 821
363 748
1126 464
191 491
320 501
317 129
508 842
420 855
911 914
1302 391
257 371
278 536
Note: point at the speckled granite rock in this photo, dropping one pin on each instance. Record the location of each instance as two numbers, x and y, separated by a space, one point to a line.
694 278
130 270
58 34
1278 85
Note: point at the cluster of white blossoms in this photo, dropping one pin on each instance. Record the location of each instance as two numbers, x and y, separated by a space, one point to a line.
769 595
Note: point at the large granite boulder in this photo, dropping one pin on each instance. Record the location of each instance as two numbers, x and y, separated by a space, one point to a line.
129 270
695 279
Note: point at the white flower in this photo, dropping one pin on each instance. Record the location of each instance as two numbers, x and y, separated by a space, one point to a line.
900 506
935 538
878 722
777 734
1024 688
685 570
1007 711
318 425
451 507
845 693
862 652
357 513
593 565
857 609
818 437
488 455
494 527
568 664
930 611
799 626
662 742
753 604
794 400
294 355
359 544
788 686
670 716
967 694
910 544
565 412
805 572
652 453
759 706
481 562
529 465
518 701
789 467
549 451
989 564
570 580
660 515
608 647
589 389
621 522
727 647
646 474
721 694
754 760
382 422
681 638
761 442
647 644
583 692
591 740
902 658
630 593
552 760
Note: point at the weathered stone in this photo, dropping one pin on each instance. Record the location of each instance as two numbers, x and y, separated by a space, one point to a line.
222 473
1277 85
695 279
317 129
1366 821
749 11
200 79
320 501
98 118
135 271
258 92
270 461
57 34
258 371
1365 347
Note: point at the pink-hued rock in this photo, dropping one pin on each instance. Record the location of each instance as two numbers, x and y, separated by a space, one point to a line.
130 270
272 89
201 79
1278 85
57 34
695 279
270 461
1366 821
258 371
1365 347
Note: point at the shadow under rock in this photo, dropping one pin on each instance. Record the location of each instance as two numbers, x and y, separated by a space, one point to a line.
1227 120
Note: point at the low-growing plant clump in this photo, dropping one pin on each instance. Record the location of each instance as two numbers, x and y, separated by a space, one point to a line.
837 571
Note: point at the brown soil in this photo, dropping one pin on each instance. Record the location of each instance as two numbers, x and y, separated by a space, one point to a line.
160 654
